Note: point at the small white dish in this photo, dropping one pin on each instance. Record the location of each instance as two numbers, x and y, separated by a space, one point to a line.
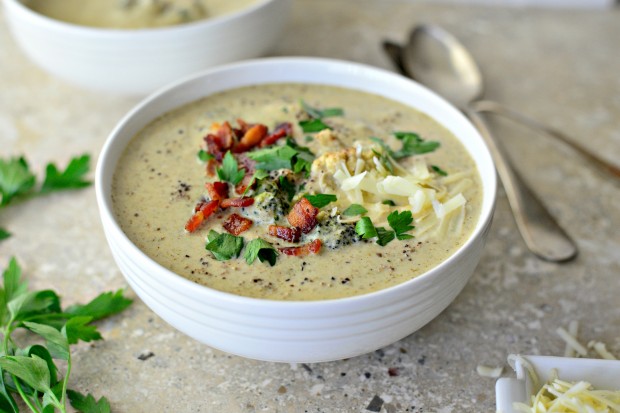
602 374
138 61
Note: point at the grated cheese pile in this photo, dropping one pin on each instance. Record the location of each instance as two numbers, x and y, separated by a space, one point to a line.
559 396
359 176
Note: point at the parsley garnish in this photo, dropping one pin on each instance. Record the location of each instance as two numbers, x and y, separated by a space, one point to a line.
230 171
288 156
365 228
261 249
259 174
439 170
204 156
320 200
34 376
401 223
320 113
313 125
224 246
354 209
412 144
388 202
17 181
288 187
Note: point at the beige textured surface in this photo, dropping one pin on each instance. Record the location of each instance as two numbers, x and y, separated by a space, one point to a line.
559 66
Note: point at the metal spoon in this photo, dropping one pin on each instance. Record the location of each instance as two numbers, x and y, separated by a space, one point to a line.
435 58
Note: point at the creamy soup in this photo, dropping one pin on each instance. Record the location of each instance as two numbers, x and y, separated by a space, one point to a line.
134 14
296 192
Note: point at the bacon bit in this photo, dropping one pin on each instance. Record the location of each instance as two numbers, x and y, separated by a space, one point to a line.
282 130
290 234
251 138
312 247
236 224
211 167
303 215
202 211
243 185
220 140
237 202
217 190
242 129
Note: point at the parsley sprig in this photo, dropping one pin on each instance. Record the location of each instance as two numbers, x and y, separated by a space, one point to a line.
412 144
315 123
291 156
400 222
17 181
229 171
31 373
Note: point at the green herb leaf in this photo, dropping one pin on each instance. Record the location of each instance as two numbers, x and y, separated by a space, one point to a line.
104 305
384 236
289 156
259 174
261 249
288 187
318 113
354 209
32 370
224 246
56 341
204 156
4 234
88 404
77 328
365 228
15 179
44 353
384 154
413 144
438 170
313 125
401 223
388 202
230 171
320 200
71 178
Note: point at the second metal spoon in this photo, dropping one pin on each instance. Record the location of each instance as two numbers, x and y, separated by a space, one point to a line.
438 60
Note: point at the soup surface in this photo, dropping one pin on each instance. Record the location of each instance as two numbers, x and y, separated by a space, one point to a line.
296 192
134 14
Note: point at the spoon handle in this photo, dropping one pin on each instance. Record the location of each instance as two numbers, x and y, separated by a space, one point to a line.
494 107
541 233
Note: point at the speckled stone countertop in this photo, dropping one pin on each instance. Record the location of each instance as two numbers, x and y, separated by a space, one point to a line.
561 67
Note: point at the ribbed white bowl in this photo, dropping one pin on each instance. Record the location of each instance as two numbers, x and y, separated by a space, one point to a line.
136 62
294 331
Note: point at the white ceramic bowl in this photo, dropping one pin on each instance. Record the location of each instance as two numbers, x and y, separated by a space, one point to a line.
295 331
602 374
136 62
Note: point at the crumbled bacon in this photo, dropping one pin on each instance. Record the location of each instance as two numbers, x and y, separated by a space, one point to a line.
217 190
243 185
211 167
303 215
202 211
312 247
252 137
237 202
236 224
290 234
281 131
219 140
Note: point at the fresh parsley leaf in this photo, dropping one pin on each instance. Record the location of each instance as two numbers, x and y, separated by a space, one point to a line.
4 234
259 174
288 156
230 171
88 404
104 305
56 341
388 202
413 144
313 125
224 246
204 156
15 179
32 370
261 249
401 223
365 228
318 113
384 154
71 178
384 236
438 170
288 187
354 209
78 328
320 200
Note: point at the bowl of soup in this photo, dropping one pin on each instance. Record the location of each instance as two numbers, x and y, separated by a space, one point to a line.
296 209
135 46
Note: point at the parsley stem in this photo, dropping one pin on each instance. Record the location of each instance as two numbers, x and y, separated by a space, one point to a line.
25 398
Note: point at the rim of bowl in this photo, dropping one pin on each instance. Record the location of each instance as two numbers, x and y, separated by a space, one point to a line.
104 165
54 24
